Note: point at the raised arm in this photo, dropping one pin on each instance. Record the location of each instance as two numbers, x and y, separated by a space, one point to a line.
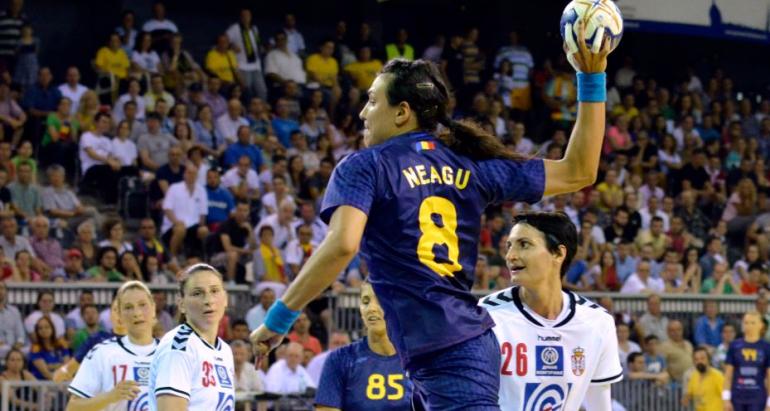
579 166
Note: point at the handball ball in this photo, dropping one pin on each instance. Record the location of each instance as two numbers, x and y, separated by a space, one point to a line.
602 19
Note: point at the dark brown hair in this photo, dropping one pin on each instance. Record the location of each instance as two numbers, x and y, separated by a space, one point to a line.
420 84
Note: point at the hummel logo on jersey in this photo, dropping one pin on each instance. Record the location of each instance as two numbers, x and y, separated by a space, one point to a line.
548 338
180 339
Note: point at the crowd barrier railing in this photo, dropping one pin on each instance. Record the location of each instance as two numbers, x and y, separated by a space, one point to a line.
685 307
33 396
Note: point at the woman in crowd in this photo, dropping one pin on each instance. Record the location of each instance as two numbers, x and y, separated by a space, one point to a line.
206 132
114 236
107 258
16 370
128 265
85 241
48 352
24 267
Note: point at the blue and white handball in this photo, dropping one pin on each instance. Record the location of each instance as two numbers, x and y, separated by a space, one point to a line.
602 19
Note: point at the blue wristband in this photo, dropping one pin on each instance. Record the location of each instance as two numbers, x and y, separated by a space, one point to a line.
592 87
279 318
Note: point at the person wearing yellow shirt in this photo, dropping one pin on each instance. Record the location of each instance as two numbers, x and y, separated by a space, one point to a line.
704 389
221 61
364 70
322 67
628 108
610 191
400 49
112 58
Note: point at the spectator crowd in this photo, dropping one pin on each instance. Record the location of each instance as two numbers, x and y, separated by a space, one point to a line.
170 158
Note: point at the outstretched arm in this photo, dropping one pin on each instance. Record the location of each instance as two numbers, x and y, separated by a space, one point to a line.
580 164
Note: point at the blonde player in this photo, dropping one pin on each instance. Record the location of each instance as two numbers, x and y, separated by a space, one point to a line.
193 368
115 373
558 349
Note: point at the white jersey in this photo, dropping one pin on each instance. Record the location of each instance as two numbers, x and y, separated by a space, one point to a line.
187 366
549 364
111 362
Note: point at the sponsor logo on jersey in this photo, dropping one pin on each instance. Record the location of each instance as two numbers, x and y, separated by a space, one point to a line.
548 338
142 375
578 361
140 403
225 402
542 397
549 360
223 376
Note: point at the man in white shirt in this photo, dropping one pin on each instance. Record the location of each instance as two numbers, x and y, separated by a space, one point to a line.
282 64
294 37
248 380
308 216
653 322
242 181
289 376
256 315
185 207
653 210
134 88
244 38
642 282
72 89
281 223
229 123
99 168
159 22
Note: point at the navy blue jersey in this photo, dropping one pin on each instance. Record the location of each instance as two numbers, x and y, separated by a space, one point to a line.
750 362
356 378
92 340
424 204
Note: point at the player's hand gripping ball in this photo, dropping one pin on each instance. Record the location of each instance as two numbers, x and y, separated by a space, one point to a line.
590 26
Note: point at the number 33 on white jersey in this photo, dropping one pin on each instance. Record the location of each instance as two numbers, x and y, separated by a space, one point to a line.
549 364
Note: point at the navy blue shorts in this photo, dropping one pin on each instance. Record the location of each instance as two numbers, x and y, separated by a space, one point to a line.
758 406
465 376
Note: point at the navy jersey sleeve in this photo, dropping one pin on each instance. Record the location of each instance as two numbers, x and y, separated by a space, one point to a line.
730 356
331 386
508 180
92 341
353 183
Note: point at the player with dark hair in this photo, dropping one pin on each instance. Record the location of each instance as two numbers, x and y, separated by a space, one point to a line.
418 191
557 347
367 374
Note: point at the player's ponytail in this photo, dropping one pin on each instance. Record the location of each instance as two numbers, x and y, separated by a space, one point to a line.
420 84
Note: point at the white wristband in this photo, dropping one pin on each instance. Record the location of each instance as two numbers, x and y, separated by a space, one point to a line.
726 395
767 403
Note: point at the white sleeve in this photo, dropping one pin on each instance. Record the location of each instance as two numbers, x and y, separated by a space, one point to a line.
88 380
175 374
203 205
293 253
168 199
273 378
608 369
598 398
